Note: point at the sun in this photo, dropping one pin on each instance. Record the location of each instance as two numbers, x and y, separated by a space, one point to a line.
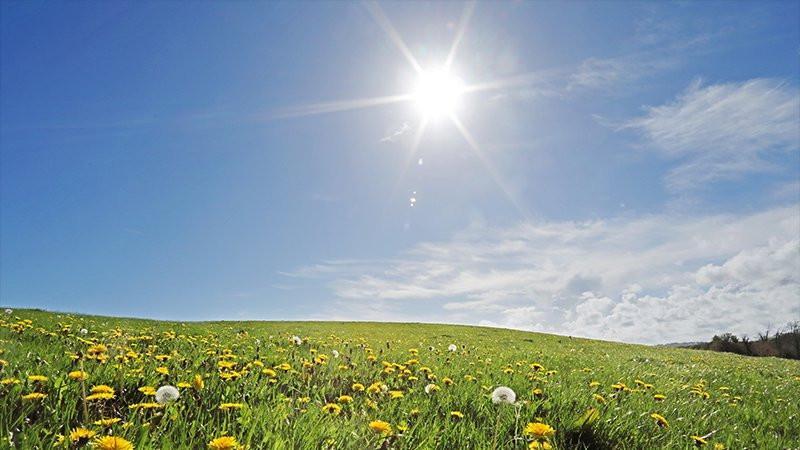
438 94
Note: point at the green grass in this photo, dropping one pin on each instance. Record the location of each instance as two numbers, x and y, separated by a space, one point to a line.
742 402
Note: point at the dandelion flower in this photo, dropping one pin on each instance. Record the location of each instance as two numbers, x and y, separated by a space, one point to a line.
198 383
37 378
345 399
381 427
167 394
659 396
297 340
224 443
9 311
228 406
503 395
539 430
34 396
431 388
332 408
456 415
81 435
452 348
698 441
536 445
599 398
660 420
78 375
112 443
396 394
335 353
358 387
101 396
162 370
102 389
107 422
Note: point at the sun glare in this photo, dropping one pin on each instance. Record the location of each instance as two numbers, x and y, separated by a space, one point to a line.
438 94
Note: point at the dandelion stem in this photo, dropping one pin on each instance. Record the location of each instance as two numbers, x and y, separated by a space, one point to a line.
83 394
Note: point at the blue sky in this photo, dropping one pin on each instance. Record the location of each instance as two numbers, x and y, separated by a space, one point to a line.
624 171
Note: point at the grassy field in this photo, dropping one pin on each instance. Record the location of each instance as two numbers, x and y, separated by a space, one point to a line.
72 380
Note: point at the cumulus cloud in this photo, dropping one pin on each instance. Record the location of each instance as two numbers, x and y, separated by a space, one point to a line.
723 131
651 279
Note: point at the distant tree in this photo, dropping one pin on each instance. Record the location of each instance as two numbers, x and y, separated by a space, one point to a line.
746 341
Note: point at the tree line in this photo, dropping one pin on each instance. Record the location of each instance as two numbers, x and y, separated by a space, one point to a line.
783 342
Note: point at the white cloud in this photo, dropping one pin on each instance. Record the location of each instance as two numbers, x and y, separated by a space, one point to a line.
606 73
723 131
648 279
391 137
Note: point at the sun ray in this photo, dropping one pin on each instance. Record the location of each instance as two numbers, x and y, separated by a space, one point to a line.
465 16
377 13
338 106
473 144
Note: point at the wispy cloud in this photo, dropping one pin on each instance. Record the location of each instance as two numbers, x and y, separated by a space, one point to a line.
396 133
649 279
723 131
608 73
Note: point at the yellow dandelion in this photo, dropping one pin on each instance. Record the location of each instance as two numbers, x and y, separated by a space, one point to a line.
9 381
34 396
101 396
332 408
81 435
396 394
229 406
358 387
660 420
536 445
37 378
698 441
269 372
345 399
456 415
539 430
102 389
107 422
599 398
224 443
198 383
112 443
162 370
659 396
78 375
381 427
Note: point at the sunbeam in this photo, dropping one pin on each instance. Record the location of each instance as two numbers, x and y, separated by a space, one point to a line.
338 106
465 16
377 13
473 144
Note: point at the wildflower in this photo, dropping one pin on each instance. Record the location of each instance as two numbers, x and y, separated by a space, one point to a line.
358 387
147 390
102 389
101 396
228 406
9 311
660 420
537 392
503 395
335 353
414 412
112 443
198 383
332 408
224 443
284 366
599 398
107 422
535 445
698 441
78 375
448 381
37 378
183 385
431 388
34 396
659 396
594 383
81 435
381 427
297 340
162 370
456 415
269 372
167 394
9 381
539 430
84 331
452 348
345 399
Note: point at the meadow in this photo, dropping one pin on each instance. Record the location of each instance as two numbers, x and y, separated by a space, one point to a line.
72 381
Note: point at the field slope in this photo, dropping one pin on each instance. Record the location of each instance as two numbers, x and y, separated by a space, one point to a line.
72 380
